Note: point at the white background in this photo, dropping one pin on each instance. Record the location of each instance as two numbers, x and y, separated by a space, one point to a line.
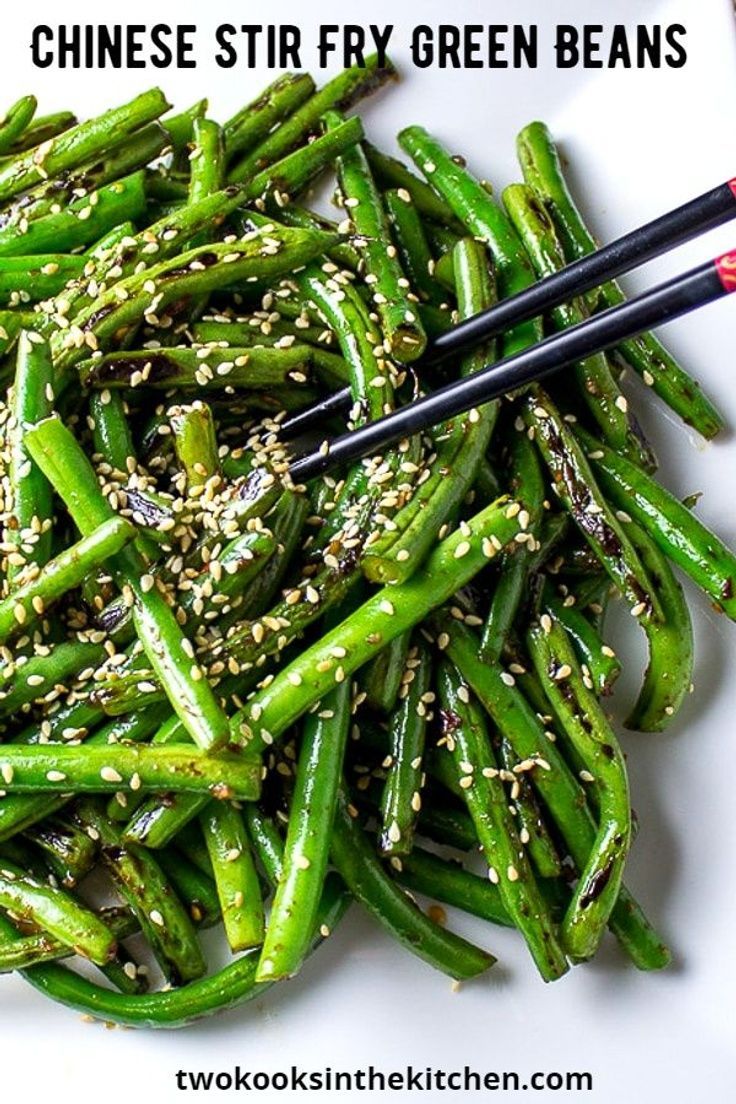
639 143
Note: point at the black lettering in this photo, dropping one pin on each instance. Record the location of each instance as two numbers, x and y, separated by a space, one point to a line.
471 1080
299 1079
291 40
326 43
41 59
133 48
161 55
185 34
678 57
496 49
242 1080
619 52
450 46
591 46
526 46
228 57
381 39
566 46
649 47
422 48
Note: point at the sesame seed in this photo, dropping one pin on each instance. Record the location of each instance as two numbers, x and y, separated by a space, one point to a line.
109 774
55 776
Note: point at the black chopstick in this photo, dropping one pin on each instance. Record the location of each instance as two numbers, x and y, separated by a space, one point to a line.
661 304
706 211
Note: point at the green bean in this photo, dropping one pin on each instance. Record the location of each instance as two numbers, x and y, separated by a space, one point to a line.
511 584
16 121
30 279
401 799
28 678
597 384
30 519
668 678
43 127
382 677
288 177
79 223
460 444
533 831
374 889
11 324
307 847
68 850
411 242
597 660
385 615
251 125
56 912
193 273
196 891
404 337
113 440
58 454
18 952
235 875
466 739
20 811
393 174
340 93
206 160
124 157
195 442
102 249
472 204
446 880
142 884
30 600
647 356
179 128
343 254
562 794
574 483
47 768
224 989
673 527
594 742
250 368
78 145
360 341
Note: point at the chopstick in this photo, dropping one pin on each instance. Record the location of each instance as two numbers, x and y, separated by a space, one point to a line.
693 289
705 212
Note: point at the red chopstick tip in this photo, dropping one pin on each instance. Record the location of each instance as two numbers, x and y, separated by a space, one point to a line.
732 185
726 269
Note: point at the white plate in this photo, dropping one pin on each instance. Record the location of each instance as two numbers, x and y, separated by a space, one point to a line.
639 143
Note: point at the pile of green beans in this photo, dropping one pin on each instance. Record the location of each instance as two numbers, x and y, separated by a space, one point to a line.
238 701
